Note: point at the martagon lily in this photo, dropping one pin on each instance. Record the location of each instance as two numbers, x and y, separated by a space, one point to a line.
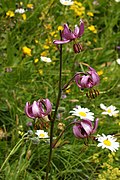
38 109
84 128
88 79
67 36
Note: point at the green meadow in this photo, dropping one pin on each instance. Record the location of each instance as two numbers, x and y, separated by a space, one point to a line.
30 71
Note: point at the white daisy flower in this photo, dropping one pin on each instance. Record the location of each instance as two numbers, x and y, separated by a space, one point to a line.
20 11
108 142
41 134
118 61
45 59
66 2
111 110
117 0
83 113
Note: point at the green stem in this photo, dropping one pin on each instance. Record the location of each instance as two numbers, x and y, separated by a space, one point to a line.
62 134
55 113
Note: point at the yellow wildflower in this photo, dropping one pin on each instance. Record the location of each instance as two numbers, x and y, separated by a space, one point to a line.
20 133
36 41
79 11
67 91
77 3
10 14
44 53
48 41
46 47
90 14
93 29
30 6
78 8
26 51
40 71
36 60
100 72
95 158
60 28
21 3
48 26
105 78
24 16
52 33
88 43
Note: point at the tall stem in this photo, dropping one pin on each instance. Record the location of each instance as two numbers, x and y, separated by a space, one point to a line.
55 113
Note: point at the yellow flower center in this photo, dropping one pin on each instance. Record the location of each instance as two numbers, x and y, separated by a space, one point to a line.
109 111
82 114
107 142
42 135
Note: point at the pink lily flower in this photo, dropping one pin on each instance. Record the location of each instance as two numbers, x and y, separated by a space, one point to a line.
68 36
38 109
88 79
84 128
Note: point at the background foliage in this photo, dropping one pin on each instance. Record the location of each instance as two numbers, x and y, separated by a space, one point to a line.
22 80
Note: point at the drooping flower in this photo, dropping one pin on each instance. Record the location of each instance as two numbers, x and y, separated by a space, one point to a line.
84 128
68 36
110 110
26 51
66 2
107 141
88 79
83 113
42 134
46 59
38 109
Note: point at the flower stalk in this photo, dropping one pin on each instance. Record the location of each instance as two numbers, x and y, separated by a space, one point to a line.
55 113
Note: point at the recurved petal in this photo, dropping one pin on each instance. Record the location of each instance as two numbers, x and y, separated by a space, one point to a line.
76 31
28 110
48 106
77 132
87 126
61 42
85 81
36 109
67 33
95 126
94 76
81 29
78 80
